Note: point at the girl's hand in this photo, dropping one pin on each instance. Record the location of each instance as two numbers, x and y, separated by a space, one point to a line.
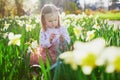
62 38
52 37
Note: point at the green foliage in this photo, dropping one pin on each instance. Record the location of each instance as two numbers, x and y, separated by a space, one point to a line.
109 15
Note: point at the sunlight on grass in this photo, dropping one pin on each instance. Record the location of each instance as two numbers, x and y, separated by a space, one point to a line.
109 15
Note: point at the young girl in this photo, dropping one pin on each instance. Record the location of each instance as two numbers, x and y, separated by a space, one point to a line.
52 34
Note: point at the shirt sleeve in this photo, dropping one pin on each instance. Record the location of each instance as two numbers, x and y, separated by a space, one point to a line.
44 40
66 34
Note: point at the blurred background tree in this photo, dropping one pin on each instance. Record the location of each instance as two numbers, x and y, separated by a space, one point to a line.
113 4
19 7
28 7
11 8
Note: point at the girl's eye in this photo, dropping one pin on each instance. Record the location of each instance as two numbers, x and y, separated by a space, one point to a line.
50 21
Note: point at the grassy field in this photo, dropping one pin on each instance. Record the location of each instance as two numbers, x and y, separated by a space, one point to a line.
109 15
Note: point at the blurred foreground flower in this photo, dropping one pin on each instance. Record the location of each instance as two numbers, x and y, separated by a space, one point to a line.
69 58
84 54
14 39
111 58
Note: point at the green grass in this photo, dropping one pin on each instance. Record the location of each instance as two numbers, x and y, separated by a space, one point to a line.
109 15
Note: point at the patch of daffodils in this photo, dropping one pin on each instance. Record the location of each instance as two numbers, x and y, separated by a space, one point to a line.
84 54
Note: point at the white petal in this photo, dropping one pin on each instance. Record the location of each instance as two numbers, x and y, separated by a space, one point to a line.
34 44
17 35
87 70
11 35
18 43
110 68
10 42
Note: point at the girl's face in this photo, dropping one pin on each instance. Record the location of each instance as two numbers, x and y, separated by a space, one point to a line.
51 20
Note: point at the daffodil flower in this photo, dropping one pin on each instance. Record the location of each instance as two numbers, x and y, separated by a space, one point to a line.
33 47
34 44
86 54
6 26
90 35
5 35
96 26
28 27
14 39
69 58
111 58
77 31
21 23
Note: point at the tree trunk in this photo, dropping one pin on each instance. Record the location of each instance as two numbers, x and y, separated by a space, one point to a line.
20 10
2 9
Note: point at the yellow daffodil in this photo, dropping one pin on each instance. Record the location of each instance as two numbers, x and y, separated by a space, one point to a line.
90 35
14 39
77 31
117 63
86 54
28 27
111 58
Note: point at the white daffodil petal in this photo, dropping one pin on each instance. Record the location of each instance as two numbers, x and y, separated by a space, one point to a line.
110 68
18 43
87 70
68 58
17 36
10 42
14 39
10 35
110 57
34 44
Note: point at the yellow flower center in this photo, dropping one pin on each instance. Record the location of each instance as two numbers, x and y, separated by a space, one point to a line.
77 32
117 63
28 28
91 36
15 41
89 60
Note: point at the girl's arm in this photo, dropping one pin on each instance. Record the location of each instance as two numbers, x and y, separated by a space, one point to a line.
44 40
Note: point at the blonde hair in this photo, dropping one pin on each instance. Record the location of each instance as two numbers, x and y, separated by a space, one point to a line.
48 8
